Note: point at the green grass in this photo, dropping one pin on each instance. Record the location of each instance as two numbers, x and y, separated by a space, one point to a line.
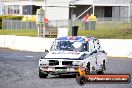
108 33
99 33
20 32
113 25
108 29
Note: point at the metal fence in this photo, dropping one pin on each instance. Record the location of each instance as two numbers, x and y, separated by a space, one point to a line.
105 23
101 23
17 24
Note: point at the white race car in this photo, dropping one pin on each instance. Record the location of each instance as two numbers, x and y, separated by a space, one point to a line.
68 53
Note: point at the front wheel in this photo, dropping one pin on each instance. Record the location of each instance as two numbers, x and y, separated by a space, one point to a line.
41 74
81 80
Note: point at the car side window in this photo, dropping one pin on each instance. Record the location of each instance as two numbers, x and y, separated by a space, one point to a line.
85 46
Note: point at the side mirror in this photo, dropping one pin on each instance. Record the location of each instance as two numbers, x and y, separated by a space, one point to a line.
46 50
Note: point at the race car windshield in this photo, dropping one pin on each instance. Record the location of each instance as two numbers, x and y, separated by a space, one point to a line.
69 46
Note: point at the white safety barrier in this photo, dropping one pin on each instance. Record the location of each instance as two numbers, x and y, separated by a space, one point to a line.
114 47
35 44
117 47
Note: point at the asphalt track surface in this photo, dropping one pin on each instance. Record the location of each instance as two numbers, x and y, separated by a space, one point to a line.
19 69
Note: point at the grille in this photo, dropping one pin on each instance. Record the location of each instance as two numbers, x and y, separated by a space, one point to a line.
60 67
67 63
53 62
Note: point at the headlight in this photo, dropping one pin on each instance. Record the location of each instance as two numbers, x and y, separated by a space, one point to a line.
78 63
43 62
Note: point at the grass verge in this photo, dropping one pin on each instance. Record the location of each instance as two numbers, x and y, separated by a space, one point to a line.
108 33
99 33
20 32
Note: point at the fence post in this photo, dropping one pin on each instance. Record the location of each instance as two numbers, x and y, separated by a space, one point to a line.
16 24
70 27
7 23
2 24
11 24
131 22
21 25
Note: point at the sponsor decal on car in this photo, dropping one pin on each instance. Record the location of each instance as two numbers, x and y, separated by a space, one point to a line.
75 53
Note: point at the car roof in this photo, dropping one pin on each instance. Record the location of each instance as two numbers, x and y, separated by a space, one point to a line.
76 38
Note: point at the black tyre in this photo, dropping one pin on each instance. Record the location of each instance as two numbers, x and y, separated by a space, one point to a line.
81 80
87 68
100 72
104 67
41 74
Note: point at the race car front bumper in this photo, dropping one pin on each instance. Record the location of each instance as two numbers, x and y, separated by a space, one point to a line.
59 70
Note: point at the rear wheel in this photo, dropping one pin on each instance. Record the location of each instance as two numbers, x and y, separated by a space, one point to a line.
87 68
104 67
100 72
41 74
